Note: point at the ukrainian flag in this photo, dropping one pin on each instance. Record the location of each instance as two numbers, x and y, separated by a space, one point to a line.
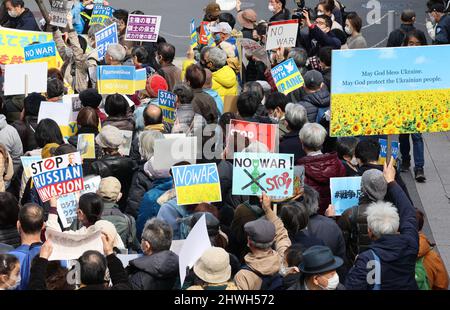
116 79
194 35
211 42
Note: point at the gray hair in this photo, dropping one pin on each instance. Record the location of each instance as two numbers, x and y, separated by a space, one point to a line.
300 56
256 147
159 234
311 200
117 52
296 116
313 136
217 57
147 143
382 218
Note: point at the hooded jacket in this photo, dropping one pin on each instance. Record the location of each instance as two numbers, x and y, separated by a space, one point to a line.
434 266
397 253
158 271
25 21
318 171
224 81
315 101
10 138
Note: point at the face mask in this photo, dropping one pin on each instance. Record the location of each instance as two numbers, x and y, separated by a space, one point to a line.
13 14
332 283
320 13
271 8
16 284
348 30
354 162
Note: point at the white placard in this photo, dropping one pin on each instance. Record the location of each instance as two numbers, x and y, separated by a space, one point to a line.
171 151
282 34
71 246
15 78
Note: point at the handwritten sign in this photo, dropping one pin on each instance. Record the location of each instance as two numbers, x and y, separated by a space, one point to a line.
104 38
196 184
62 114
345 193
167 104
282 34
264 133
254 173
44 52
143 28
56 176
58 13
287 77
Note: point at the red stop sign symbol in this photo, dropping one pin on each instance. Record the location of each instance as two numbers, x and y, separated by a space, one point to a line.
49 164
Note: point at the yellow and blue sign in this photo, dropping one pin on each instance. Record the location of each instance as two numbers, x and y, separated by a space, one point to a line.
345 193
395 147
140 79
44 52
166 102
100 14
195 184
287 77
104 38
194 35
116 79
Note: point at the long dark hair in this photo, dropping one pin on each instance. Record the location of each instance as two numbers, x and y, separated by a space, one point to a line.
415 34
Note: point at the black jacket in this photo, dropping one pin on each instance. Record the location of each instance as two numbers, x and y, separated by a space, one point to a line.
140 184
397 37
443 31
290 144
26 21
26 130
158 271
397 252
120 167
306 240
312 103
282 15
10 236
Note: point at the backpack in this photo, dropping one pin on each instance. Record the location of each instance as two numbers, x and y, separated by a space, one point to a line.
269 282
124 228
421 276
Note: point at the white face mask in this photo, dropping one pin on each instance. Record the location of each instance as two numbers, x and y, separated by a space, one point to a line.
271 8
13 14
354 162
16 284
348 30
432 18
333 283
90 7
320 13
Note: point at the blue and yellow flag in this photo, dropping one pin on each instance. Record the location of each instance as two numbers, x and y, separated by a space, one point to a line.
211 42
194 35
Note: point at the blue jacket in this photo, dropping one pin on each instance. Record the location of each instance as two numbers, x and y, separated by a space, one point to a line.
25 254
149 206
397 253
173 215
217 99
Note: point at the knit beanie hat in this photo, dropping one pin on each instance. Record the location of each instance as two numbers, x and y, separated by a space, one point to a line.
155 83
374 185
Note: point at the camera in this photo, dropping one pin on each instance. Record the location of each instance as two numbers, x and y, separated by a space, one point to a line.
298 13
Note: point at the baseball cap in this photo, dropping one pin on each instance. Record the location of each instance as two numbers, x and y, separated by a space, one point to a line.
109 188
222 28
313 79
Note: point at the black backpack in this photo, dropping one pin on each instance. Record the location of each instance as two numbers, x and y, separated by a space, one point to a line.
269 282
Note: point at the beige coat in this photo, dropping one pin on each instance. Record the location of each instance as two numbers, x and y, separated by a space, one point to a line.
6 171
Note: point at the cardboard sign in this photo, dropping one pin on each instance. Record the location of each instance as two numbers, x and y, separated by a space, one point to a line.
86 146
194 34
116 79
264 133
58 12
140 79
44 52
399 91
287 77
36 74
282 34
196 184
395 149
171 151
345 193
143 28
62 114
26 164
254 173
100 14
58 176
66 205
67 246
125 147
167 104
104 38
14 41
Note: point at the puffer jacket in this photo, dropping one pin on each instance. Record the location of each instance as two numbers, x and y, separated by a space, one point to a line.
315 101
224 81
140 184
10 138
158 271
26 21
318 171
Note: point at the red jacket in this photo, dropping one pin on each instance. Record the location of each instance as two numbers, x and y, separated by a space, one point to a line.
318 171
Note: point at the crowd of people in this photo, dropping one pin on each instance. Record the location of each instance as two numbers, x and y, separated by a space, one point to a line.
299 245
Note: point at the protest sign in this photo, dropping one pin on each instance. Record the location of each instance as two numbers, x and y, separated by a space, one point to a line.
116 79
399 91
171 151
143 28
67 246
58 12
56 176
253 49
282 34
196 184
287 77
13 42
66 205
298 187
140 79
44 52
100 14
176 246
91 185
345 193
196 243
194 34
26 78
26 164
62 114
395 148
104 38
166 102
125 147
264 133
86 146
254 173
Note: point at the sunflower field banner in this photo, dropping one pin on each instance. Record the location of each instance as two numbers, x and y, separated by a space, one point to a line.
390 91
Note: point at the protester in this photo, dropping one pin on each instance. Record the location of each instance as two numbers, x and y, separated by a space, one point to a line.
397 37
20 17
247 19
117 108
165 57
320 31
91 98
353 25
276 107
442 21
279 10
316 100
295 119
346 152
9 137
9 272
326 7
224 78
207 88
